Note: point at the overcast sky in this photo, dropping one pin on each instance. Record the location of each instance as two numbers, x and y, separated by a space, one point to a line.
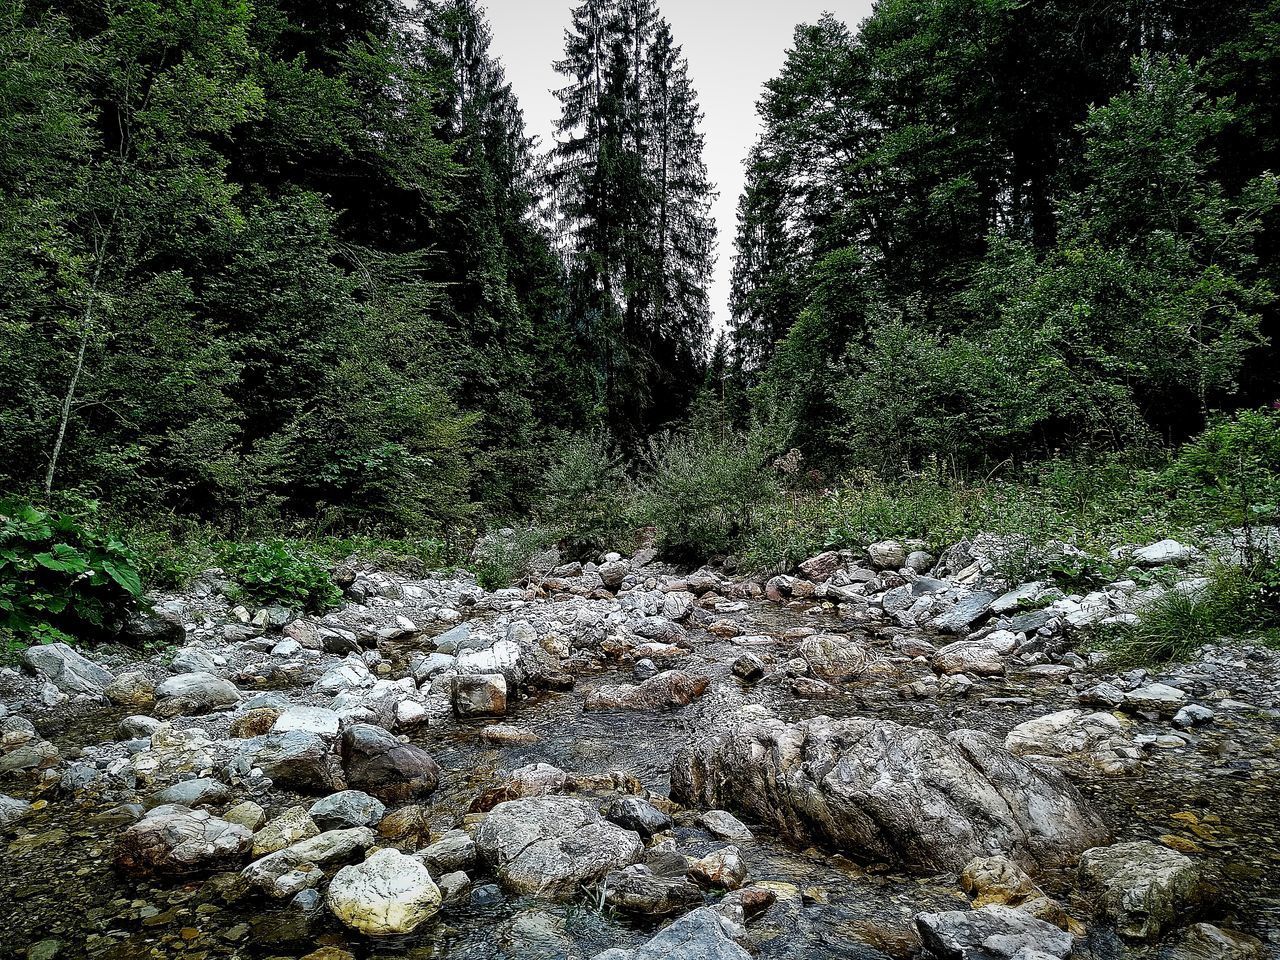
733 47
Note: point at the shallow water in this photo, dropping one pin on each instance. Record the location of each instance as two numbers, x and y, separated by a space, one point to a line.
56 880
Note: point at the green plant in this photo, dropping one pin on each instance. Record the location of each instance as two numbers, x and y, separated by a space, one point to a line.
275 572
584 493
503 556
61 578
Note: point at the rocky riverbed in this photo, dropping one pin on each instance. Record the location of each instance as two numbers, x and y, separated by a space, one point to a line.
886 754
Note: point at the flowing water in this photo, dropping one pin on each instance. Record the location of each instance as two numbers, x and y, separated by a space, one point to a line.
57 883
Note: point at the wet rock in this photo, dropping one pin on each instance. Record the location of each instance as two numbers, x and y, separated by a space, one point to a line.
292 826
635 889
502 734
863 786
286 872
131 690
553 844
700 935
12 811
456 850
1103 695
992 933
191 694
454 885
997 880
820 568
480 695
670 690
834 658
387 895
248 814
297 759
1193 715
1204 941
1155 698
200 792
178 841
748 667
723 868
633 813
66 669
194 660
1143 888
969 656
969 611
808 688
347 808
1080 741
35 755
378 763
14 732
725 826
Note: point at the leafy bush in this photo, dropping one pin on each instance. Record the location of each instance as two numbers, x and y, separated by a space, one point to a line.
60 577
274 572
703 490
584 494
502 557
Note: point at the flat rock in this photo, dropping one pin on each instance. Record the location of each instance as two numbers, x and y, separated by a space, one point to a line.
1143 888
66 669
991 933
191 694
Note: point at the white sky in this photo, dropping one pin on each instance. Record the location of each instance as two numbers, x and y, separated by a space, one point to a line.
733 48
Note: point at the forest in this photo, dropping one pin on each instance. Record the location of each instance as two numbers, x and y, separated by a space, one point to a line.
275 270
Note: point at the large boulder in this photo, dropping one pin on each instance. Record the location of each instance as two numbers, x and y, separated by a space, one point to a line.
834 658
378 763
553 844
1204 941
670 690
66 669
1077 740
387 895
1143 888
992 933
297 759
879 791
177 841
190 694
700 935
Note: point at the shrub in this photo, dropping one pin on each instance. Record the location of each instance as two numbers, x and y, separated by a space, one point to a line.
703 490
503 557
62 578
274 572
585 495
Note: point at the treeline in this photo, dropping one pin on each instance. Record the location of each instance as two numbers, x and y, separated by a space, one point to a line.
303 262
995 230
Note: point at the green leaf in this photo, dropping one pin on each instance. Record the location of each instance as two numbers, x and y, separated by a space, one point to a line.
125 576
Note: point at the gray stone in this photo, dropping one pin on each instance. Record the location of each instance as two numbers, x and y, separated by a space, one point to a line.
700 935
1142 887
725 826
297 759
318 720
966 613
1204 941
670 690
347 808
1156 698
377 762
635 889
834 658
179 841
553 844
1164 553
633 813
286 872
456 850
200 792
66 669
387 895
480 695
887 555
191 694
992 933
12 810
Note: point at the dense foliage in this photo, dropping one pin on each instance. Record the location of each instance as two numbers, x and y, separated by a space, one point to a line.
991 230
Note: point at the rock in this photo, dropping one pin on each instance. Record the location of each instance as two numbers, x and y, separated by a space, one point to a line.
678 605
553 844
1083 742
635 889
35 755
748 667
1103 695
292 826
285 872
969 656
15 732
921 561
387 895
997 880
1155 698
613 574
1204 941
992 933
725 826
480 695
154 630
177 841
131 690
454 885
633 813
456 850
1164 553
860 784
834 658
378 763
887 555
191 694
820 568
317 720
194 660
200 792
248 814
1193 715
12 811
969 611
297 759
254 723
66 669
670 690
723 868
347 808
700 935
1142 887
